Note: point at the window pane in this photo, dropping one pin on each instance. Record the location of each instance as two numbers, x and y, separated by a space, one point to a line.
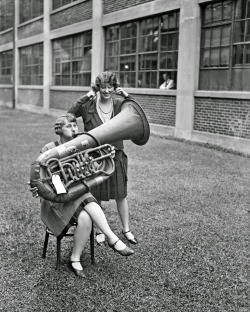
227 10
239 28
217 12
148 61
224 57
169 42
147 79
205 58
112 33
238 55
215 57
225 35
248 54
111 63
240 79
207 37
128 46
248 31
127 63
208 14
240 9
248 9
168 60
215 40
127 80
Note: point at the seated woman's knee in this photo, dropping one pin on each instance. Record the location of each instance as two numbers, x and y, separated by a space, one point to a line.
84 219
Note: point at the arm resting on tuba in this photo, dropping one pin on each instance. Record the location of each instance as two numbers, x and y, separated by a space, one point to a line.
78 173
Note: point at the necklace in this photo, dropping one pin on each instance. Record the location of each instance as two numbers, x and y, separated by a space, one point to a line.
111 107
105 112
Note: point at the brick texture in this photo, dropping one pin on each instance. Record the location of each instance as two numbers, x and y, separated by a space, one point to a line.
72 15
110 6
223 116
159 109
6 95
6 37
29 96
31 29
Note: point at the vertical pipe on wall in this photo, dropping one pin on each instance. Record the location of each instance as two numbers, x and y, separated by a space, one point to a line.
97 62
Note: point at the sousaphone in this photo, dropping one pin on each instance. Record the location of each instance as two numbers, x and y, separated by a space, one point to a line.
66 172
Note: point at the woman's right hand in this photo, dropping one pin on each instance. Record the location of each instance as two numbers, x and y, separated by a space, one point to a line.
91 94
34 191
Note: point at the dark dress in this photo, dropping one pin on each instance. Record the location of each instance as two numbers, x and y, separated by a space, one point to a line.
116 186
59 217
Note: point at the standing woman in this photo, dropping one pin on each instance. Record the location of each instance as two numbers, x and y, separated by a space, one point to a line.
98 106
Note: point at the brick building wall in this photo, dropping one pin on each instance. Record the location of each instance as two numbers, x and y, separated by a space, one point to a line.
110 6
71 15
30 97
32 29
6 37
159 109
6 95
64 99
223 116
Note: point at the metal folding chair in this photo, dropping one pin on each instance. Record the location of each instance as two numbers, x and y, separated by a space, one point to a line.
58 245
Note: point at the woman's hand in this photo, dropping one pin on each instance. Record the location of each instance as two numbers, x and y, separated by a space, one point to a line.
34 191
91 93
121 92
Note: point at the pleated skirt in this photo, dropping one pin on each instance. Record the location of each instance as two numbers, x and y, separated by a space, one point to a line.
114 187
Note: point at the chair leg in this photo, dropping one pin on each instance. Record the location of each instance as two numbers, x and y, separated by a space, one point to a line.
92 244
58 254
45 245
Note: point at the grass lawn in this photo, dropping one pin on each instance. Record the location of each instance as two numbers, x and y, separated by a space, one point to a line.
189 208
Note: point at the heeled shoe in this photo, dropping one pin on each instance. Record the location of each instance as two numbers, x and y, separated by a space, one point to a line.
133 241
100 239
77 272
124 252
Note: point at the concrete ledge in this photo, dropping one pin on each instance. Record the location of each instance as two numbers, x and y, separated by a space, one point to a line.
228 142
240 95
162 131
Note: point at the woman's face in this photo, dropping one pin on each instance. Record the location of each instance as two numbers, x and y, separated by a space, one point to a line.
106 91
69 129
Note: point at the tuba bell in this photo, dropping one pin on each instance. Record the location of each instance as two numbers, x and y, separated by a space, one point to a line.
87 160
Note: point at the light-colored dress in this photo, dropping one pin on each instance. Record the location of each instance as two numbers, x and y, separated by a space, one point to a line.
59 217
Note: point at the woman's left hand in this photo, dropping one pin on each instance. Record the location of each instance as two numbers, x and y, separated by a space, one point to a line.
121 92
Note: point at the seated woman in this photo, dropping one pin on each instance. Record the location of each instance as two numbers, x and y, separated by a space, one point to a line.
59 217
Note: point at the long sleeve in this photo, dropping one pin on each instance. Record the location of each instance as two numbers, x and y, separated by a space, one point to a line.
75 108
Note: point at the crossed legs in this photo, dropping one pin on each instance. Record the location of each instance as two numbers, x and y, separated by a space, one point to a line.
92 211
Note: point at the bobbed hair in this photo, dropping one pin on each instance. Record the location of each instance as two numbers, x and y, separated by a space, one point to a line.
105 78
61 121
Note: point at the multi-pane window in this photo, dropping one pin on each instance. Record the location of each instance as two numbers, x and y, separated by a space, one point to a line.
6 14
225 48
30 9
59 3
72 60
6 61
31 65
140 52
